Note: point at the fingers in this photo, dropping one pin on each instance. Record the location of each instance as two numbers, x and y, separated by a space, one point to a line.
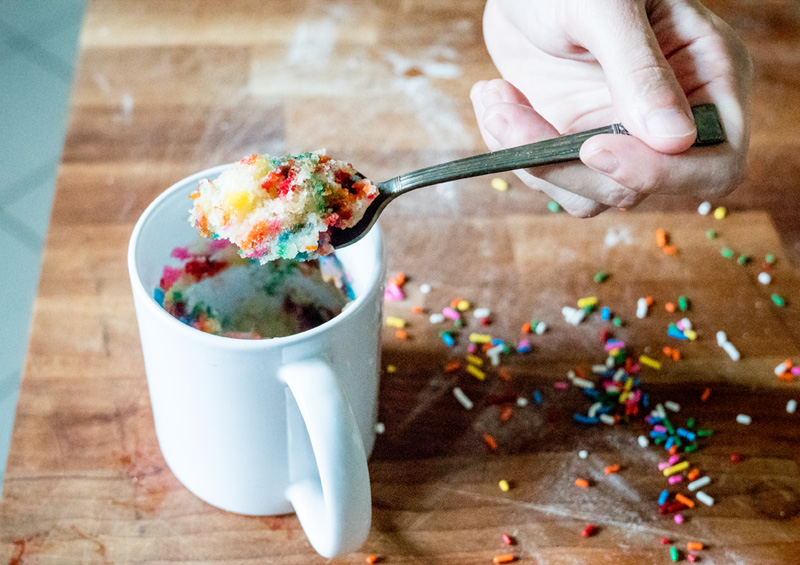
507 120
646 94
622 170
704 58
619 35
505 117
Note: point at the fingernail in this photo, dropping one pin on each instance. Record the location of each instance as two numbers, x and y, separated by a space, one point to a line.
477 89
602 160
669 122
496 125
491 96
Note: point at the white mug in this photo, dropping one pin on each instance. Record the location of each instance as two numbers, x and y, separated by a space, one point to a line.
269 426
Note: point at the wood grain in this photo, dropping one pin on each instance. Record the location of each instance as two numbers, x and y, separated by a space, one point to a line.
165 90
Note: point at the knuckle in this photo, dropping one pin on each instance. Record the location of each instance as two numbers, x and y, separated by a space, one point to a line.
654 80
631 199
652 179
648 72
617 195
647 180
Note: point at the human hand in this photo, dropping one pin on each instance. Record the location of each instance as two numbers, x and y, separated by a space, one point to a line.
571 65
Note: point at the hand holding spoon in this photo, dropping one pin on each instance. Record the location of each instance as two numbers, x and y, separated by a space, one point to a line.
548 152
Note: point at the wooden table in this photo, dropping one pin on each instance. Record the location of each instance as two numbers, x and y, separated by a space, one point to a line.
164 91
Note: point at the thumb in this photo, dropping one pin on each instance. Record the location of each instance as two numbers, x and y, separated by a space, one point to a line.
644 90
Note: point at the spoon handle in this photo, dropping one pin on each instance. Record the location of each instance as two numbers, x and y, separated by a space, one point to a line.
547 152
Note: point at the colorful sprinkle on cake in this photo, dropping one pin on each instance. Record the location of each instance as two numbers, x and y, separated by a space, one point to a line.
281 207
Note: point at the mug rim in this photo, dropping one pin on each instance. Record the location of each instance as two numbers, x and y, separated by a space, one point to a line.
373 284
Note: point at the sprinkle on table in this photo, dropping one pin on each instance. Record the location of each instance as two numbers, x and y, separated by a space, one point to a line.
490 442
704 498
676 468
480 313
783 368
479 338
730 349
462 398
601 277
589 531
641 308
613 387
436 318
645 360
476 372
499 184
699 483
474 360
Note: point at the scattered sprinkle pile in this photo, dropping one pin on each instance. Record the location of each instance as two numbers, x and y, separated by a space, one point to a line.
613 389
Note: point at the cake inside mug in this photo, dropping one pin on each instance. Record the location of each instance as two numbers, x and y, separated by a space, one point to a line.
212 288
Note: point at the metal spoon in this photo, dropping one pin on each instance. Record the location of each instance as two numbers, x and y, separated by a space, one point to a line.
550 151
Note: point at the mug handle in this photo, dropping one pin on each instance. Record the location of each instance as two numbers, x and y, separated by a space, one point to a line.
335 507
